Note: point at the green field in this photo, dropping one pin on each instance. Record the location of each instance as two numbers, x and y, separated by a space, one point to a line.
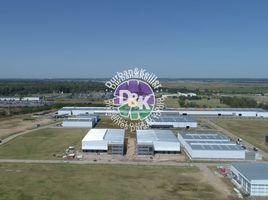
98 182
42 144
252 131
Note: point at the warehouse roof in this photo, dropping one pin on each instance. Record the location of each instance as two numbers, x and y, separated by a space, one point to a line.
162 140
172 118
84 108
201 135
199 140
108 135
216 146
220 109
79 119
253 171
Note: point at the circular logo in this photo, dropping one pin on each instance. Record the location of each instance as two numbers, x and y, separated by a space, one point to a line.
134 99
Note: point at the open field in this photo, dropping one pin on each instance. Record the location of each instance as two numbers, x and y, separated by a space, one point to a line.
21 123
66 181
251 130
42 144
172 102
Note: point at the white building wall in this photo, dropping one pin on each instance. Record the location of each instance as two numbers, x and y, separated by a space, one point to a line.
253 187
78 124
214 154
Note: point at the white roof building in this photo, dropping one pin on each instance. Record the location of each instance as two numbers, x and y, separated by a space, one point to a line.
104 140
210 145
251 178
172 120
156 141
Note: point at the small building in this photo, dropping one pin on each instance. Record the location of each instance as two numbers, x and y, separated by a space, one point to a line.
30 98
171 121
210 145
104 140
251 178
150 142
9 99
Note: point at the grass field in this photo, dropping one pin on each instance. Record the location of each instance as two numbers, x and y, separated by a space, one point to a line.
97 182
253 131
42 144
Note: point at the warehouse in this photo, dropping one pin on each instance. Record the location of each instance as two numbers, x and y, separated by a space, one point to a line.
251 178
150 142
235 112
210 145
104 140
85 110
80 121
171 121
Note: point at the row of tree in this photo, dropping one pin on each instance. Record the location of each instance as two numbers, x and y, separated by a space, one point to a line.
25 87
239 102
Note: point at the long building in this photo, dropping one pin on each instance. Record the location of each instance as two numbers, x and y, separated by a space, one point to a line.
251 178
210 145
80 121
235 112
104 140
150 142
171 121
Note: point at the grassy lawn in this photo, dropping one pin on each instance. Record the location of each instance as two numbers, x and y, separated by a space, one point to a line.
42 144
97 182
253 131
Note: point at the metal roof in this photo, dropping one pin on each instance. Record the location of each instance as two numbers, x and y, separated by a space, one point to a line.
111 136
208 140
171 118
216 146
200 135
253 171
219 109
162 140
79 119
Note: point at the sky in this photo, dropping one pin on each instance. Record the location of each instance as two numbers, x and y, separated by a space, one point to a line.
97 38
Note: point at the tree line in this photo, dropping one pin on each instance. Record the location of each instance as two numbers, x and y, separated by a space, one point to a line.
25 87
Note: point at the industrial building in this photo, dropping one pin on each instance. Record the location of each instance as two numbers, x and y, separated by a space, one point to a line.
30 99
251 178
85 110
235 112
150 142
80 121
104 140
210 145
171 121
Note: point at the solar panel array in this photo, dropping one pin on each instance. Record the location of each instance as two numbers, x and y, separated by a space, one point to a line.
209 141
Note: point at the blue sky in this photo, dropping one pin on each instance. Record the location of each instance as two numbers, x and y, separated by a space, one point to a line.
172 38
